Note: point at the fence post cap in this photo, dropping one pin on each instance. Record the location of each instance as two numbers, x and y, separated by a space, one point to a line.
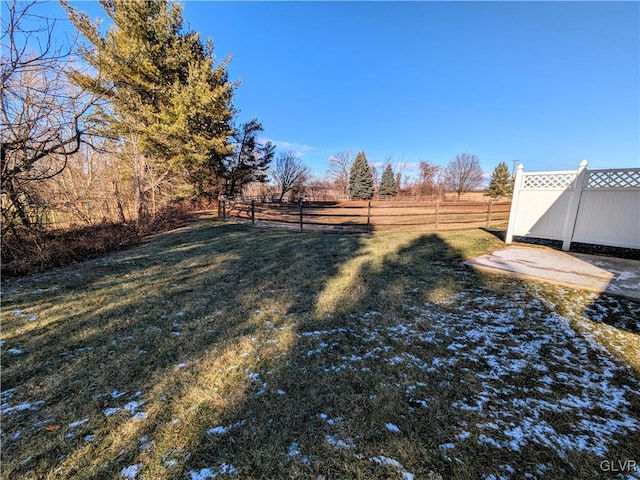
521 167
583 164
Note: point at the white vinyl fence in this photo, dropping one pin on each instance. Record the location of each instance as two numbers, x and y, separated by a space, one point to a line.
600 207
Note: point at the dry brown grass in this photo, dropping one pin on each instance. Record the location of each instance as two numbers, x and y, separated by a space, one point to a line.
34 251
376 215
260 353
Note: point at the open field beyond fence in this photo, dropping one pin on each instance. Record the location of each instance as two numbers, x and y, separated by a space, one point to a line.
373 216
223 351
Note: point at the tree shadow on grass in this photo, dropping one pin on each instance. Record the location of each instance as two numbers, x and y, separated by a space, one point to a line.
275 355
406 369
93 335
618 311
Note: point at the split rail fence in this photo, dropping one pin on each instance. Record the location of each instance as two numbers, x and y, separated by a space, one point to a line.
363 216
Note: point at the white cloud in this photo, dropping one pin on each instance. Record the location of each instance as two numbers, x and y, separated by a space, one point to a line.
298 148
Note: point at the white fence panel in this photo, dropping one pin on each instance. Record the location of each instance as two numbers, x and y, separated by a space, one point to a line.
609 212
601 207
544 214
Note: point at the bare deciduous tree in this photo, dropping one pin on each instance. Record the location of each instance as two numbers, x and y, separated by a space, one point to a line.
427 180
289 173
42 114
318 189
338 171
463 174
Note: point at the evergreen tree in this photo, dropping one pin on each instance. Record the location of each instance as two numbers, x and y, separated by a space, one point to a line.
160 87
249 161
501 183
360 179
388 186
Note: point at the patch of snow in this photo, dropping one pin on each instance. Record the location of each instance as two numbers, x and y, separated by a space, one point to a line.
507 468
422 403
217 430
5 409
78 423
207 473
491 476
392 428
294 450
111 411
131 472
132 406
381 460
338 443
625 276
8 393
220 430
395 360
482 438
330 421
14 351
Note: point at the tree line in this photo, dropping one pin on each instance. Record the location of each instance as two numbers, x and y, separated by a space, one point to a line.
354 178
357 179
123 121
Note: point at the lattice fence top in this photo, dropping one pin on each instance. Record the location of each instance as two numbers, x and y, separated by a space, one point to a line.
613 179
548 181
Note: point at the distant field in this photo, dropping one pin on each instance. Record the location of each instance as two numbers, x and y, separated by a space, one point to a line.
220 351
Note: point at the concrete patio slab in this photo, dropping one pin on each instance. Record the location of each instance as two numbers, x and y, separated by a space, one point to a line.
616 276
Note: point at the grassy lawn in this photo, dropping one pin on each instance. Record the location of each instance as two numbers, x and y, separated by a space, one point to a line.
220 351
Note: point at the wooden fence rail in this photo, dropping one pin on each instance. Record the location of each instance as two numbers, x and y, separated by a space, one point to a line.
367 216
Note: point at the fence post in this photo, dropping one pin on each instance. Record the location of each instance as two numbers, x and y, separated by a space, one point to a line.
301 214
572 209
490 206
368 215
253 212
515 199
224 209
437 211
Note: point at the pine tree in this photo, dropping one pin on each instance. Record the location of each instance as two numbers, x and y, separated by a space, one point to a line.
160 86
388 186
501 183
360 179
249 161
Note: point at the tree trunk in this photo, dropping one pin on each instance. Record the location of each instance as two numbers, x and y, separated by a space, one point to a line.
17 204
119 209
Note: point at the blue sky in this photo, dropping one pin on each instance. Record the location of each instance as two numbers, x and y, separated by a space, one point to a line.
545 83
